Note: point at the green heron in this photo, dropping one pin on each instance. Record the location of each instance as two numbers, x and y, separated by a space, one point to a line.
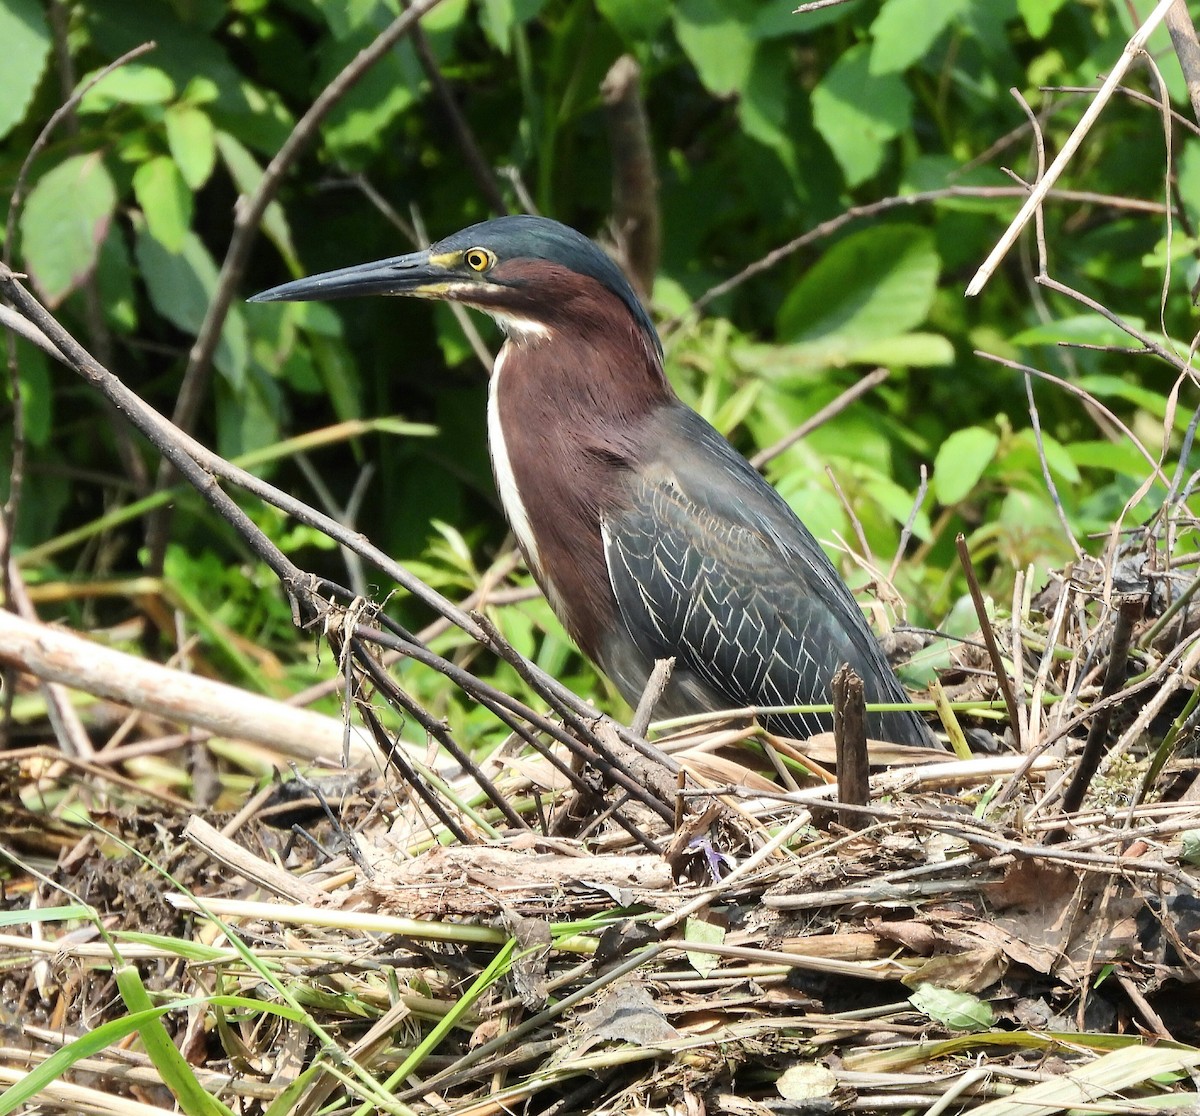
651 536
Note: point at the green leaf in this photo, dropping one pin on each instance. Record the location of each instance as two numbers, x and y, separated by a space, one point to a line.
1039 15
171 1065
181 286
37 395
247 175
64 223
191 139
716 37
1057 457
1086 329
858 113
905 29
635 20
133 84
914 350
956 1010
1189 846
114 281
1118 457
898 503
874 284
359 122
707 933
501 17
1115 387
166 201
26 42
960 463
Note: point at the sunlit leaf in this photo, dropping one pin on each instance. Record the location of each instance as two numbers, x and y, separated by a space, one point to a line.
874 284
858 113
904 31
135 83
26 40
247 174
716 37
1039 15
64 223
192 142
165 199
960 462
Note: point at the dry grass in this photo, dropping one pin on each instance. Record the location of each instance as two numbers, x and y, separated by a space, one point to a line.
338 949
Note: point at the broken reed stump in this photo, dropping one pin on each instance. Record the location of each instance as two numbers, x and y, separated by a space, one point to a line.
850 742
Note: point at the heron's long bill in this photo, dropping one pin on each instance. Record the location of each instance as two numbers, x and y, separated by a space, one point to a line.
419 273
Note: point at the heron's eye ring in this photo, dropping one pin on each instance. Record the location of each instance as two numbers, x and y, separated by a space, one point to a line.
478 259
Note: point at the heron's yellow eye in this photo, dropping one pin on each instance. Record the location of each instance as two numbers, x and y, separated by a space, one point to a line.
478 259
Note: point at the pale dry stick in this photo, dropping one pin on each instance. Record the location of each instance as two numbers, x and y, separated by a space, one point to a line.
1153 1020
242 862
859 534
1164 108
1039 143
1133 49
817 5
60 656
651 694
1003 682
65 1096
907 530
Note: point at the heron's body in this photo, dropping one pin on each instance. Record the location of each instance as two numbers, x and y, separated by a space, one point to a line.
650 535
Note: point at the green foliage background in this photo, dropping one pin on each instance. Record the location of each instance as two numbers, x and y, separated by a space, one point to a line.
764 124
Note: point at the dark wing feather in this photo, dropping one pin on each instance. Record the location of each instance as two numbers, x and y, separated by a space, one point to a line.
709 565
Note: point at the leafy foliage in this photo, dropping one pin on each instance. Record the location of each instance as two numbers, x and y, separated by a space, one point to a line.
763 125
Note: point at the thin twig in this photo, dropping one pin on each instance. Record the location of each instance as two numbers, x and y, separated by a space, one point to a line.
477 165
989 638
1047 475
902 201
834 407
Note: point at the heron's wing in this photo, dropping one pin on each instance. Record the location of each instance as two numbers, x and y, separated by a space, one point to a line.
709 565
